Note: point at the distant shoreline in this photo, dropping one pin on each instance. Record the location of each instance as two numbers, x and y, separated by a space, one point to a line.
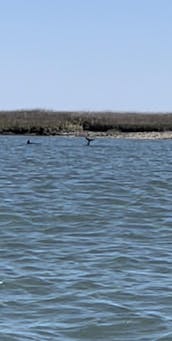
166 135
142 135
100 124
135 136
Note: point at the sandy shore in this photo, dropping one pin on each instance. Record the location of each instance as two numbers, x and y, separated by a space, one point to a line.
147 135
136 135
117 135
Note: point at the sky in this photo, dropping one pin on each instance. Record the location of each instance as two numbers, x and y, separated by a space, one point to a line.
95 55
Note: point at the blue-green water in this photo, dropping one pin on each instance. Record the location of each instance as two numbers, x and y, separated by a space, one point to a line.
85 239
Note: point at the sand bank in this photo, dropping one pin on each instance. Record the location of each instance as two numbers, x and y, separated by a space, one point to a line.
146 135
136 135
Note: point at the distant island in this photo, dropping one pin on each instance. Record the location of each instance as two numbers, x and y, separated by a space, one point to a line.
107 123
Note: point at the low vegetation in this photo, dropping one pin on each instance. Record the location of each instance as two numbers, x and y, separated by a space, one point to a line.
44 122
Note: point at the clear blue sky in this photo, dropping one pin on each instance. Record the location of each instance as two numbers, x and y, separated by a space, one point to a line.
86 54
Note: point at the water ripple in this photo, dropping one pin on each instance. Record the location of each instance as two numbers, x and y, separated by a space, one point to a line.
85 248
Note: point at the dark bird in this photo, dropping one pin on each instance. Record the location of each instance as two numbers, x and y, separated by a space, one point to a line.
28 142
89 139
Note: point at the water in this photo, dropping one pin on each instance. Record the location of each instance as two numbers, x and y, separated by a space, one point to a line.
85 247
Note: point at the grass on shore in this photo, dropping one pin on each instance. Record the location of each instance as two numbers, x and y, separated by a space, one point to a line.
44 122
